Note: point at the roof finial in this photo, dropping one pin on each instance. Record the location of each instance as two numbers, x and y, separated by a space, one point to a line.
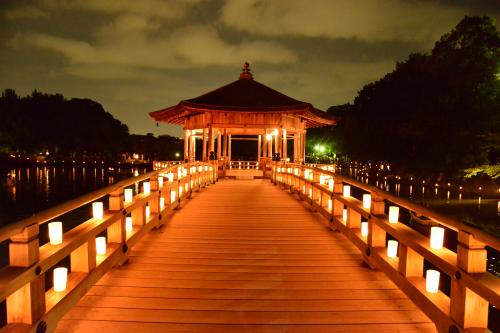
245 74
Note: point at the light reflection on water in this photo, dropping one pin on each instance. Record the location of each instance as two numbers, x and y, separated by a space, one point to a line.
30 190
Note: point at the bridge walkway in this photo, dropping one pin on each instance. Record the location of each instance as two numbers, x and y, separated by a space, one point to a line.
245 256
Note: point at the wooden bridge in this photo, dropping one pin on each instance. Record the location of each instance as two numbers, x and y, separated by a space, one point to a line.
244 256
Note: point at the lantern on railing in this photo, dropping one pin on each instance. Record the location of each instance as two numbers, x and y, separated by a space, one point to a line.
347 191
100 246
60 278
179 173
329 205
322 179
128 195
128 223
172 196
432 280
393 214
206 168
97 210
344 215
180 191
148 212
146 187
170 177
437 238
55 233
367 201
310 193
364 229
160 182
162 203
330 184
392 249
200 168
303 189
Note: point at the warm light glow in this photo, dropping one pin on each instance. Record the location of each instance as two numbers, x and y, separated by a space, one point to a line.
160 182
310 193
432 280
322 179
146 187
179 174
330 184
344 215
148 212
55 233
269 137
304 189
162 203
347 191
393 214
437 237
128 223
100 246
392 249
275 132
60 278
170 177
97 210
187 187
129 195
367 201
180 191
172 196
364 229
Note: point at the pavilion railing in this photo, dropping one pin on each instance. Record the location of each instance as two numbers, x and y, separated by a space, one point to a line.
370 224
30 305
244 165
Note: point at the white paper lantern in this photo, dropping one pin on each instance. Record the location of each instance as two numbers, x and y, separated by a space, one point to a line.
393 214
392 248
432 280
60 278
55 233
129 195
364 229
367 201
146 187
100 245
97 210
437 238
347 191
128 223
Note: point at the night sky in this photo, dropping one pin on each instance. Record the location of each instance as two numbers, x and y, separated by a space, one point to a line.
139 56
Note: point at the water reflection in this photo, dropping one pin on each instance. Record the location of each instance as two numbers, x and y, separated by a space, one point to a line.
24 191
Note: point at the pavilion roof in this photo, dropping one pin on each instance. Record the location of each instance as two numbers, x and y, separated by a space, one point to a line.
244 95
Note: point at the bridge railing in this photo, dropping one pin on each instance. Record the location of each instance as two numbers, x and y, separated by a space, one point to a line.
413 261
39 290
244 165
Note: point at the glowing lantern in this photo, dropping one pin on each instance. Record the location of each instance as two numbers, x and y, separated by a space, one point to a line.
432 280
364 229
128 223
100 245
310 193
347 191
160 182
129 195
180 191
367 201
146 187
162 203
437 237
172 196
148 212
97 210
330 205
55 233
60 278
187 187
393 214
330 184
392 248
344 215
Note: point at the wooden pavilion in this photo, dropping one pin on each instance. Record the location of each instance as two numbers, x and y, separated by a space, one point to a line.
244 107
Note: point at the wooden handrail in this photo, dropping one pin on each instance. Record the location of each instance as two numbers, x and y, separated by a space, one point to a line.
472 287
22 283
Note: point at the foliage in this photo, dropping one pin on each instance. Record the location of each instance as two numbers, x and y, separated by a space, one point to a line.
70 128
436 112
492 171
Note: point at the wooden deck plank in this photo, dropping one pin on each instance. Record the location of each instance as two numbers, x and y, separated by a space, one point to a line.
244 256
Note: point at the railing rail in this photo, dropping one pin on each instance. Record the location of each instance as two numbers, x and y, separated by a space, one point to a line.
244 165
373 228
32 308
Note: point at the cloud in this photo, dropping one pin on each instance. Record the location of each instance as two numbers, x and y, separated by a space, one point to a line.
368 20
165 9
24 12
127 43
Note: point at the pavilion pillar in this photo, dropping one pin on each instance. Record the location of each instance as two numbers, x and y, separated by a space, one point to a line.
284 149
219 143
224 144
192 147
279 143
204 148
296 147
259 147
229 149
211 140
270 147
264 144
186 144
303 146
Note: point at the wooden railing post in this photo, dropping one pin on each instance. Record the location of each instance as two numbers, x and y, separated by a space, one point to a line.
116 231
376 235
27 304
467 308
338 206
